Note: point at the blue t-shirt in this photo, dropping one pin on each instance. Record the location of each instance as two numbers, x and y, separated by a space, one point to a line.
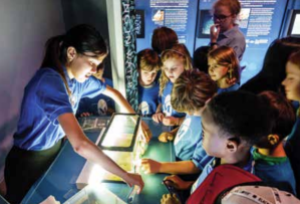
166 102
188 142
279 175
148 99
98 105
229 89
45 98
209 168
293 151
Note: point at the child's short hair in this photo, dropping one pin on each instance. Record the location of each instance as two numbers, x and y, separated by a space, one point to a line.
295 58
178 51
191 90
282 115
163 38
233 5
242 115
225 56
148 60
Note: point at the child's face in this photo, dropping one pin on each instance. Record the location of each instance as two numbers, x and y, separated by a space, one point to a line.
81 67
214 143
216 72
146 78
173 68
292 82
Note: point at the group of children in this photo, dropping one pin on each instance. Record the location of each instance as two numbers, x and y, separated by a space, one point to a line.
215 128
213 123
238 128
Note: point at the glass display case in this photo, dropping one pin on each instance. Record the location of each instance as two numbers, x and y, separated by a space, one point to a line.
123 142
92 123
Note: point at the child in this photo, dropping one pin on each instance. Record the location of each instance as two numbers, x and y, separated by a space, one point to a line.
225 31
163 38
100 105
224 68
55 91
292 90
148 66
271 162
190 93
231 122
175 61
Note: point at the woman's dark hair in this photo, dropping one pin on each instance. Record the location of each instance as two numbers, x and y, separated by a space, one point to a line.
84 38
273 70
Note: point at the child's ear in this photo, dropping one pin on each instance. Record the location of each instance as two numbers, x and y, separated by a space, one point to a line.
273 139
232 146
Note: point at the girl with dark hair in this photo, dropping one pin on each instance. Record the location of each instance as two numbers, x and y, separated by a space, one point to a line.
47 114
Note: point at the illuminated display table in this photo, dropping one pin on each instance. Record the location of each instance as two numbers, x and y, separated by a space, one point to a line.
60 178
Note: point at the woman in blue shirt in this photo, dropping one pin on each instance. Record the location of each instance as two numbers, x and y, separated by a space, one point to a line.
47 114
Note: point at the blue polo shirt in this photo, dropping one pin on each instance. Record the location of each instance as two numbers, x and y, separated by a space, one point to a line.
45 98
148 99
98 105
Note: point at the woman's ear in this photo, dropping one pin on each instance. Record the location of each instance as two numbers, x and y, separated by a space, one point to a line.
273 139
71 54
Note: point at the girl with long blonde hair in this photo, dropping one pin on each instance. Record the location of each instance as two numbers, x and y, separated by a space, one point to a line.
175 61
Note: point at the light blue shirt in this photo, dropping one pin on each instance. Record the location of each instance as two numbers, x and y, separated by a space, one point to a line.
188 142
45 98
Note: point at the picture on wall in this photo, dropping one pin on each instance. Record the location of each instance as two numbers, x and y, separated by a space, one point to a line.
140 23
205 22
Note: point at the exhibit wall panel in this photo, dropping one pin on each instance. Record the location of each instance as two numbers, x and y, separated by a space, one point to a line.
261 23
179 15
92 12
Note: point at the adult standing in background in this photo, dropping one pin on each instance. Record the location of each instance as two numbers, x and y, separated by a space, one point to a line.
225 31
